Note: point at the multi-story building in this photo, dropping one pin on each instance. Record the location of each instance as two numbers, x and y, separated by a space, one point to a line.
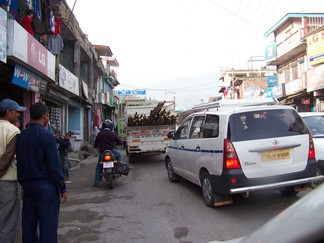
245 83
66 73
296 49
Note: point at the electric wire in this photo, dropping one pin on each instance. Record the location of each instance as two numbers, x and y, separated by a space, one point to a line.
238 16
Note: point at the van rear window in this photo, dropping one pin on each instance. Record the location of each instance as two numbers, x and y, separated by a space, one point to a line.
265 124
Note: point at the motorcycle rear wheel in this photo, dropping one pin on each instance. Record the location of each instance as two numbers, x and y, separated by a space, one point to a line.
110 179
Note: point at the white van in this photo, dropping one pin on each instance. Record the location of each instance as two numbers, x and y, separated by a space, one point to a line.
243 149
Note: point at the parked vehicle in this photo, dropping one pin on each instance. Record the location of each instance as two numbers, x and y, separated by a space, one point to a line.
315 123
300 222
111 169
239 149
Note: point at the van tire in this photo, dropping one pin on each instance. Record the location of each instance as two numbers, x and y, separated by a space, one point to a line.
173 177
207 190
288 191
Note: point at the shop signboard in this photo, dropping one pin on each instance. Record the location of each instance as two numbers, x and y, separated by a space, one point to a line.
267 93
85 89
315 48
270 52
26 79
68 81
272 81
132 92
3 35
23 46
278 91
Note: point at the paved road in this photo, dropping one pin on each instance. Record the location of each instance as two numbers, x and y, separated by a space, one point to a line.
146 207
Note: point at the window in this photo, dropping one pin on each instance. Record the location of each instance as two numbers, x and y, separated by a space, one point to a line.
182 132
287 76
195 131
266 124
211 126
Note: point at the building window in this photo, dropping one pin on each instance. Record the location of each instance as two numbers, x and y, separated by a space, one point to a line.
286 72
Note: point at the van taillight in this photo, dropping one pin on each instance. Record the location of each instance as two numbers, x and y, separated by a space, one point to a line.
311 152
231 160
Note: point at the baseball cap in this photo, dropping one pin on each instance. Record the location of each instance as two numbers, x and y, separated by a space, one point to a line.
8 104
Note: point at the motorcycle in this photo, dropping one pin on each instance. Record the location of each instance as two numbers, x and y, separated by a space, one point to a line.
111 168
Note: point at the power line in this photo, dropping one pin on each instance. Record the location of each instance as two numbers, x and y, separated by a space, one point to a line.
238 16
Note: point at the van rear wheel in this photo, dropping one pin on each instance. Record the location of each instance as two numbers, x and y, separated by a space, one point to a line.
207 190
173 177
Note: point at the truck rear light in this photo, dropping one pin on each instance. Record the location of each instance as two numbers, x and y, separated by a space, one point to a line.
311 152
231 160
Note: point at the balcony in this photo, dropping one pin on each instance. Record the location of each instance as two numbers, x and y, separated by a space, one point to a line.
292 46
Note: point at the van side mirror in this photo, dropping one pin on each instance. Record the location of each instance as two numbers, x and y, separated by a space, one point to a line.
171 135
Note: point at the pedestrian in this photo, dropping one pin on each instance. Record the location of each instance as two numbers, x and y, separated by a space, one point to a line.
27 22
63 149
41 176
9 191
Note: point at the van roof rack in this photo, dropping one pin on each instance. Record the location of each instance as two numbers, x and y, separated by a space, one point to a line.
235 103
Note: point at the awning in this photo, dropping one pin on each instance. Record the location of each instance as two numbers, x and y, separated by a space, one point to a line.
53 95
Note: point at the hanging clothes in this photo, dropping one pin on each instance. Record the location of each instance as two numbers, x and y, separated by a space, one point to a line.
38 9
51 21
57 25
13 7
55 44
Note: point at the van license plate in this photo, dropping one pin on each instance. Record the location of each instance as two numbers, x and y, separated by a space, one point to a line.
108 164
275 155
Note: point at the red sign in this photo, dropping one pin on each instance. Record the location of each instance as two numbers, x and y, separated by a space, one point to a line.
37 55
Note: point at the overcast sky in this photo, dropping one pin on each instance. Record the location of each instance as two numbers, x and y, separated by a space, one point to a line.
162 42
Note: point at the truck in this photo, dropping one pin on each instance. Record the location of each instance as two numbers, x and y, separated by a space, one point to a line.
147 124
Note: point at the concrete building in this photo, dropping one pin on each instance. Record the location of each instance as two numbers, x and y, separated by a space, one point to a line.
74 78
296 49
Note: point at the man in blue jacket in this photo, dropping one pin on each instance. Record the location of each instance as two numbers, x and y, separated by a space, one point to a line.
41 176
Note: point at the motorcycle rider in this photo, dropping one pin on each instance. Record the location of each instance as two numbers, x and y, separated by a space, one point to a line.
106 139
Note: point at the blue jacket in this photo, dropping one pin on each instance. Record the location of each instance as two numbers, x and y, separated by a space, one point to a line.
37 157
63 145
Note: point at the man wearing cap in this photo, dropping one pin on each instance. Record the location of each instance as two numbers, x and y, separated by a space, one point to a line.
10 199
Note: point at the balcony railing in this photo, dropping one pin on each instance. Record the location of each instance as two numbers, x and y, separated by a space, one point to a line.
290 43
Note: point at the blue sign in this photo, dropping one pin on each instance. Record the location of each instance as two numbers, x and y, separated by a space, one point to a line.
272 81
26 79
267 93
132 92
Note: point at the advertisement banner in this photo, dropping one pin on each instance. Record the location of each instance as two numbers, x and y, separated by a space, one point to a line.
26 48
26 79
132 92
272 81
68 81
315 48
3 35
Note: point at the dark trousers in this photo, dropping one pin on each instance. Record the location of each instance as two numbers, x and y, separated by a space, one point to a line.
65 165
41 206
